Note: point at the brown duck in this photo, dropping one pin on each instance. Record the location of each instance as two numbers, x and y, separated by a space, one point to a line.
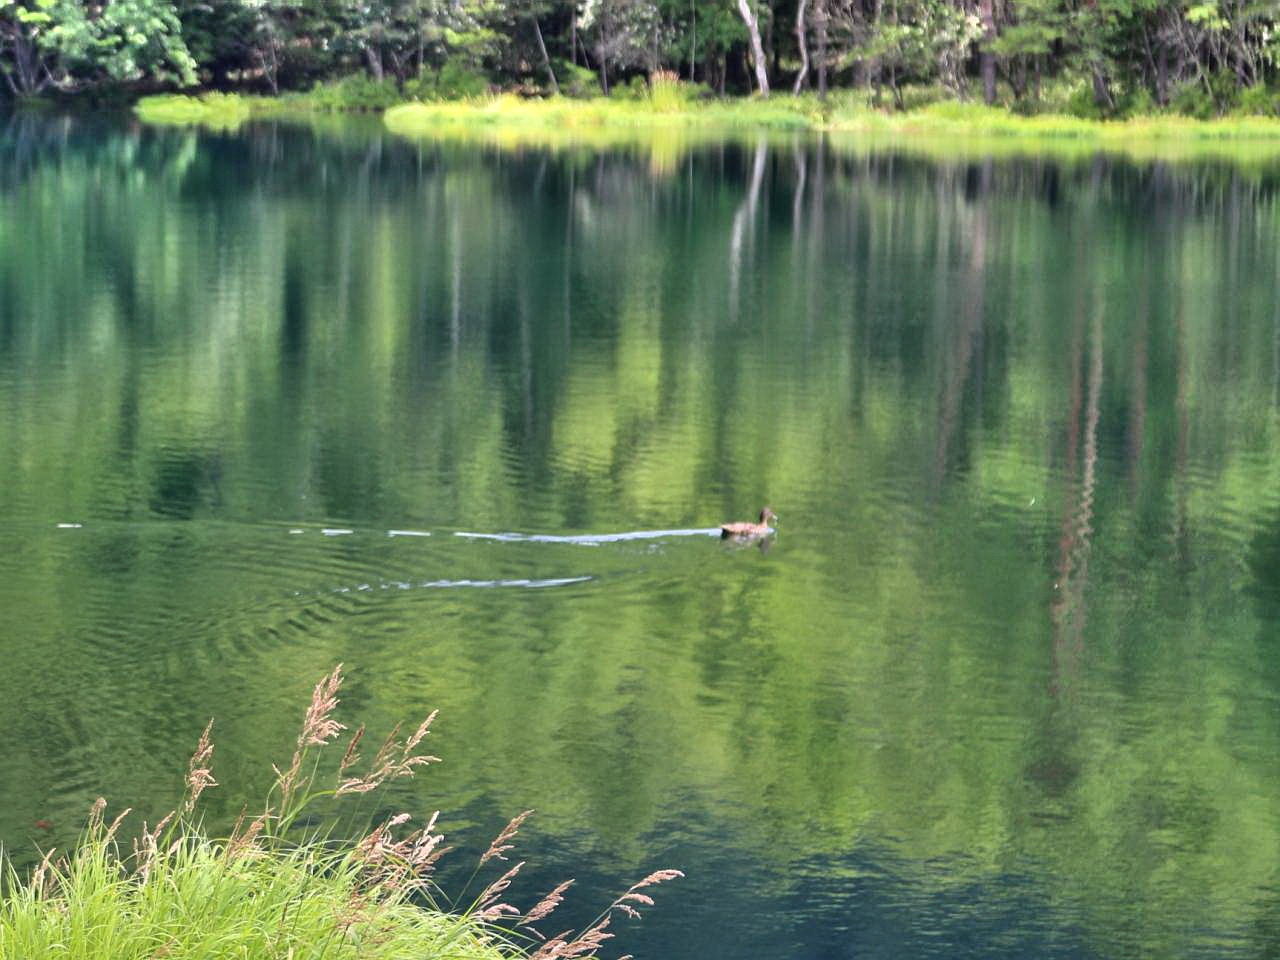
744 530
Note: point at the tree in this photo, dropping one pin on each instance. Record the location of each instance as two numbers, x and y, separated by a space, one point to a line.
65 44
218 35
987 15
25 66
624 33
752 23
801 30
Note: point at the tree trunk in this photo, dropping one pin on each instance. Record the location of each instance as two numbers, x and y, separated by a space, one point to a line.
1162 76
546 61
757 48
693 39
987 14
374 58
28 65
801 30
1101 93
399 68
766 39
822 52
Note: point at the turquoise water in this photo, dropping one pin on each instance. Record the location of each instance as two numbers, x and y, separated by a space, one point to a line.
1005 683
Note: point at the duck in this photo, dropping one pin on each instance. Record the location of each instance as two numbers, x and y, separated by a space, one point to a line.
745 530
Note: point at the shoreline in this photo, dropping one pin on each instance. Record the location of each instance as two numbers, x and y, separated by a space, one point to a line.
941 127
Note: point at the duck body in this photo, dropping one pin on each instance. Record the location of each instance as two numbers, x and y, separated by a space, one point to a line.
745 530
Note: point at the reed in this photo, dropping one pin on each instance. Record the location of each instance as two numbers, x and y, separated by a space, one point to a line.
269 889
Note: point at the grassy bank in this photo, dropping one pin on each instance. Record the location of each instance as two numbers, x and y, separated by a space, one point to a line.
807 113
216 110
951 119
564 114
269 889
669 112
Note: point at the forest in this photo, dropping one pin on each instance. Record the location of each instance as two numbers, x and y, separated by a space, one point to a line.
1094 58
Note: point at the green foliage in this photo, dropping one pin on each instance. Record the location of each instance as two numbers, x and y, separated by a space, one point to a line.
1192 100
457 79
1114 48
1258 101
65 43
1136 102
914 96
577 82
1082 103
634 90
218 34
358 92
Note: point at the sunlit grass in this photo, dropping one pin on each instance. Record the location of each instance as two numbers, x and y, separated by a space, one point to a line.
211 109
838 114
566 114
670 118
222 111
970 119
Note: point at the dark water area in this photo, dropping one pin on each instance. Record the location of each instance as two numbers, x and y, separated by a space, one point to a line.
1005 684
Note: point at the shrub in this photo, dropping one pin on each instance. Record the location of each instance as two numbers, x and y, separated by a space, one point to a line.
1137 102
634 89
1193 100
1258 101
356 92
457 81
578 82
1081 103
918 95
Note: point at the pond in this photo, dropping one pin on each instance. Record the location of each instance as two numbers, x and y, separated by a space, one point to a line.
1006 683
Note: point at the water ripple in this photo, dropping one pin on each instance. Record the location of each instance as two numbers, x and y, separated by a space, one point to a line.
590 539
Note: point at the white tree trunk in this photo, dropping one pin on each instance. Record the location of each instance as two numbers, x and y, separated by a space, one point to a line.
801 36
757 48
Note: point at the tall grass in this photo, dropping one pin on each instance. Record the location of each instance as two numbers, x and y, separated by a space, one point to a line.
269 889
667 93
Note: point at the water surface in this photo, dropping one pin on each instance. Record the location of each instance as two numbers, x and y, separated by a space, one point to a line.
1006 683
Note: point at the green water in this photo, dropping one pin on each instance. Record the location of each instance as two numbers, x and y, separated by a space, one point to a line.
1006 683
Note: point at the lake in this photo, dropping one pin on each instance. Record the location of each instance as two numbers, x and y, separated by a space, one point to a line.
1006 683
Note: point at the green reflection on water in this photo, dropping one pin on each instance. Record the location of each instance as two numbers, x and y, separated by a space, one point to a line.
1018 417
